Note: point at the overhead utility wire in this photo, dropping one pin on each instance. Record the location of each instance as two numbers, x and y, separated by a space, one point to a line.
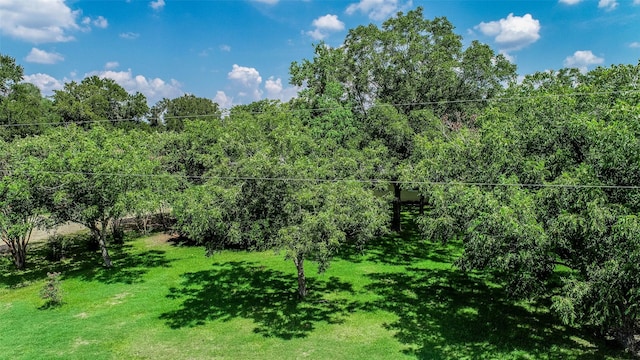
443 102
383 181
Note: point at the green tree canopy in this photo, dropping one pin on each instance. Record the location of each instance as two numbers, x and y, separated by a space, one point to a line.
173 113
92 173
22 201
10 74
268 184
550 180
399 78
24 112
96 99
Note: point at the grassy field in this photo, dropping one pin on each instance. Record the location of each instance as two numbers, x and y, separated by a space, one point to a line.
401 299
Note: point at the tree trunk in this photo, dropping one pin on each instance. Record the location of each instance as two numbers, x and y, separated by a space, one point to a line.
20 256
421 205
397 208
145 223
18 247
101 236
103 249
627 338
163 218
117 231
18 253
302 282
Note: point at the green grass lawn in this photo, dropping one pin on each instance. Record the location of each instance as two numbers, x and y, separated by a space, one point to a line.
401 299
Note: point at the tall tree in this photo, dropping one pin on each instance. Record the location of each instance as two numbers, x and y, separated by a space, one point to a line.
92 173
22 201
24 111
174 112
409 64
558 169
96 99
22 106
320 218
269 186
10 74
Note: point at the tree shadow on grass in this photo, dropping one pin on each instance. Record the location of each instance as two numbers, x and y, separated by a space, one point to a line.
400 249
183 241
446 314
268 297
129 265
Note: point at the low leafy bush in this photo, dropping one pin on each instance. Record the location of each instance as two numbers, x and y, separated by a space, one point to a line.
51 292
57 246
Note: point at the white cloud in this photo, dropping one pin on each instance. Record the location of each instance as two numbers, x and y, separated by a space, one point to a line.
509 57
157 5
38 21
636 2
111 65
43 21
582 59
513 32
273 86
223 100
328 22
46 83
100 22
635 44
608 5
316 34
246 75
250 80
154 89
43 57
268 2
377 9
129 35
324 25
225 48
275 90
246 84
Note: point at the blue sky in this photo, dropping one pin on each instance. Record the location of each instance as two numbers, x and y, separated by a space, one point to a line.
238 51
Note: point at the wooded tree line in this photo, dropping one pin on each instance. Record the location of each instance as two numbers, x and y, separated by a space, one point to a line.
538 178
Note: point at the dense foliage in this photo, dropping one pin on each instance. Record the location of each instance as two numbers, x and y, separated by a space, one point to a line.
548 183
540 179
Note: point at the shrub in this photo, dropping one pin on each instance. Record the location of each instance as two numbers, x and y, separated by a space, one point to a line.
51 292
57 247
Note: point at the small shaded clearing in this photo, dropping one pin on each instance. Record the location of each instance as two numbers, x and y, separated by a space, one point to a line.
445 314
129 264
268 297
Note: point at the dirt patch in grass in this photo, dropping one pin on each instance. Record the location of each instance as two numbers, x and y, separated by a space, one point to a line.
39 235
159 239
64 229
119 298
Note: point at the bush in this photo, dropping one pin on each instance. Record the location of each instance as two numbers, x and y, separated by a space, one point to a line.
57 246
118 236
117 232
51 292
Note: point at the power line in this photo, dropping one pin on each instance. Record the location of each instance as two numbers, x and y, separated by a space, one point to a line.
423 103
364 181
